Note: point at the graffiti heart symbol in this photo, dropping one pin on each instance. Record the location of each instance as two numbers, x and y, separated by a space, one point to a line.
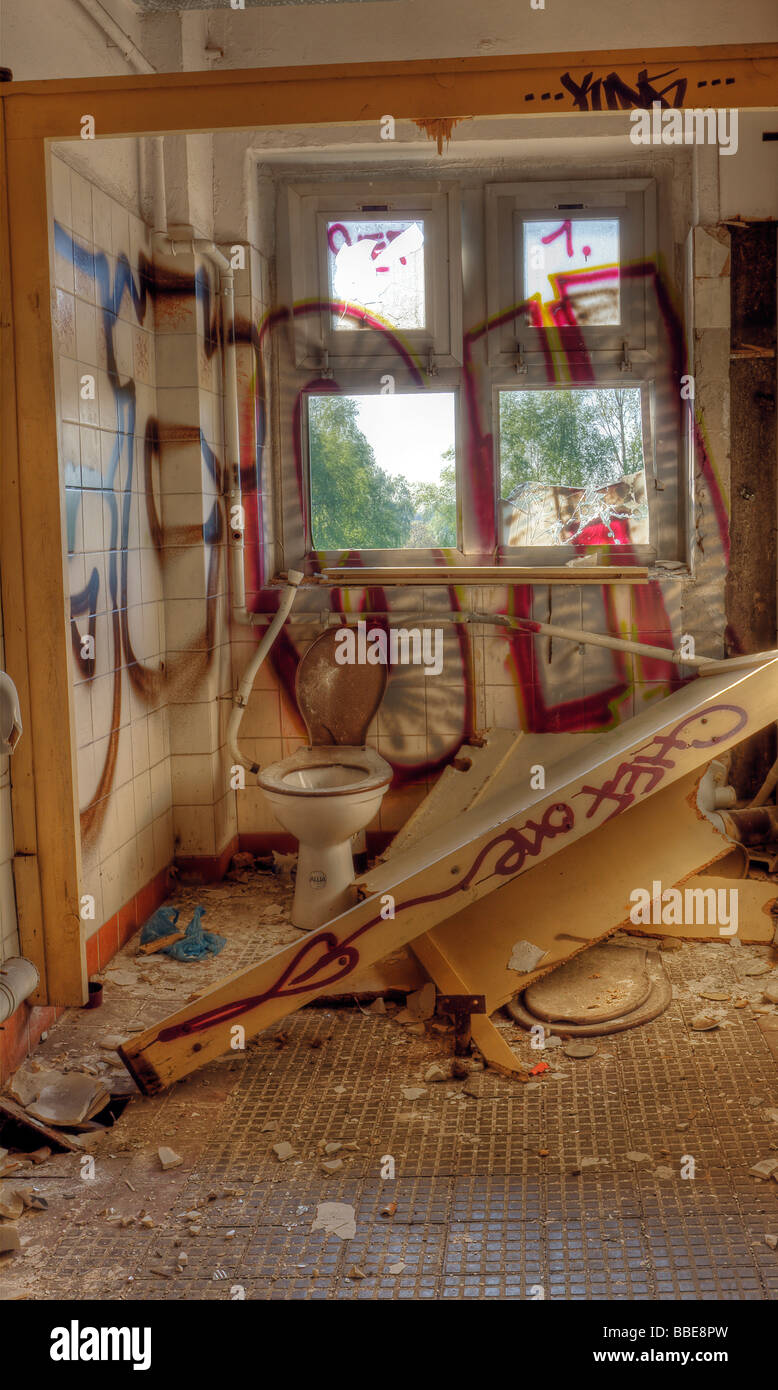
306 971
324 950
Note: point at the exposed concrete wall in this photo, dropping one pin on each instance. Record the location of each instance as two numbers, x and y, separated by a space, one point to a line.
57 38
54 38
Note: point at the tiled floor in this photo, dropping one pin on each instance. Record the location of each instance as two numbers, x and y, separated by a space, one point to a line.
522 1192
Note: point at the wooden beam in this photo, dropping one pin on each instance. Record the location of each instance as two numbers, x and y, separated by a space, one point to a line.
485 848
581 896
739 75
25 864
750 596
35 597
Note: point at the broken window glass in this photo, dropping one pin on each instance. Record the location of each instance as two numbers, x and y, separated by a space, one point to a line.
382 471
571 272
376 269
572 468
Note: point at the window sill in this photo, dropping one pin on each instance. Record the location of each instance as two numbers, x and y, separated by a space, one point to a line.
426 576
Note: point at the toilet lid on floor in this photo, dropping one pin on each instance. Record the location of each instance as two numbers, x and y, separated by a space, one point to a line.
337 702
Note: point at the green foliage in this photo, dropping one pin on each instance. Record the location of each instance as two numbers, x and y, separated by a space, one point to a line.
435 523
568 438
354 503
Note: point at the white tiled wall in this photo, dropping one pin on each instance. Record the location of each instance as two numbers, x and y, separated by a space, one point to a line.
122 726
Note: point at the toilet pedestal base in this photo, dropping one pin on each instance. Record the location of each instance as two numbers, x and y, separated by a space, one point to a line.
322 886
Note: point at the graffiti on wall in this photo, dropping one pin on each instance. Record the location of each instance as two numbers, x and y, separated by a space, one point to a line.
542 699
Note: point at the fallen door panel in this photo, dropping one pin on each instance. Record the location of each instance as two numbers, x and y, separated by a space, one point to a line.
485 847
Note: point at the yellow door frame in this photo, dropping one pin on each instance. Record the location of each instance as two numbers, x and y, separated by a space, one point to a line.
32 558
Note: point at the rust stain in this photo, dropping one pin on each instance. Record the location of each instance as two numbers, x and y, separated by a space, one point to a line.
439 128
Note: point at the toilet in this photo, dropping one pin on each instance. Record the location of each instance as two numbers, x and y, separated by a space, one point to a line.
326 793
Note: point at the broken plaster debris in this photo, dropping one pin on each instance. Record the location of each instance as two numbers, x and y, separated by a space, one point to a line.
525 956
335 1218
169 1158
579 1049
765 1168
435 1072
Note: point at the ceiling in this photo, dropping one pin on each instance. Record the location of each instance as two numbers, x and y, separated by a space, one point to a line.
153 6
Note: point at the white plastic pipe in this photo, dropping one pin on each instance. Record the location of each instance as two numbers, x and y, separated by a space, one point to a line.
19 979
241 696
129 51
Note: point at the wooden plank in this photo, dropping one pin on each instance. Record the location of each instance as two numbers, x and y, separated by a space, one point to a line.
755 897
15 636
505 758
739 75
490 845
39 635
13 1114
750 591
488 1039
457 788
581 896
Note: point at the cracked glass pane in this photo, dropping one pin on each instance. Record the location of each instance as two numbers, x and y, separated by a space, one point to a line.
376 271
572 468
571 272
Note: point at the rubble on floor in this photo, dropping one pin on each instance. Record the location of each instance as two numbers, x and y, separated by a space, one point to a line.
427 1174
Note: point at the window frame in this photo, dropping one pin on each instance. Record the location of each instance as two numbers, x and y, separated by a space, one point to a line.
508 205
561 555
473 272
354 384
309 205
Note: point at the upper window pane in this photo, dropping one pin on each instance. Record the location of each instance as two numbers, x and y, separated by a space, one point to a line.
571 270
571 468
377 268
382 471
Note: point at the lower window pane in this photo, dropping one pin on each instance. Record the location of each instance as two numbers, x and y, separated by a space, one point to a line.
382 471
571 468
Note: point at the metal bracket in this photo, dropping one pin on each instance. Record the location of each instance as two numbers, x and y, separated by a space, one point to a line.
625 365
325 370
460 1007
431 366
520 365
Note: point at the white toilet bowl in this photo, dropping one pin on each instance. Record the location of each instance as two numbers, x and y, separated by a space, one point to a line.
325 793
323 796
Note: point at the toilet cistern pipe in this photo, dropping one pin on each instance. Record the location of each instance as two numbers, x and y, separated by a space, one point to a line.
241 696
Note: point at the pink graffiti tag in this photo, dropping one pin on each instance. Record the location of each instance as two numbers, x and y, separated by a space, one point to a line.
622 788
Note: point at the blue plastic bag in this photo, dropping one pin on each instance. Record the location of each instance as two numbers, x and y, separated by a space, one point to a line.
196 942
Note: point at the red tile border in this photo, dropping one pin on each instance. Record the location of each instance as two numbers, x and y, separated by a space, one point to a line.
20 1033
108 939
209 868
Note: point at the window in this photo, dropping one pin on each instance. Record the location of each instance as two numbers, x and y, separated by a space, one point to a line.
572 468
546 443
373 266
569 257
377 268
382 471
